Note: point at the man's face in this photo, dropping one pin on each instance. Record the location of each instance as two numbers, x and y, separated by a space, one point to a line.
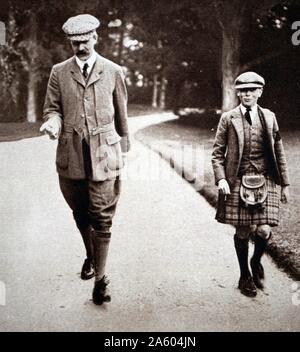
84 49
249 96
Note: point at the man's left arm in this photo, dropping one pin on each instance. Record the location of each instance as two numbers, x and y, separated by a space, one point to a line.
120 99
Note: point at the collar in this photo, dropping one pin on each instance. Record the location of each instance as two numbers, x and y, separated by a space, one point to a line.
90 61
253 110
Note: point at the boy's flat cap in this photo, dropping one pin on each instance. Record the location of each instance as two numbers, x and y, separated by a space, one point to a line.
249 80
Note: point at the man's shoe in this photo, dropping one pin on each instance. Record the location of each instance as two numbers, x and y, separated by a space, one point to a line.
247 287
87 271
99 293
258 273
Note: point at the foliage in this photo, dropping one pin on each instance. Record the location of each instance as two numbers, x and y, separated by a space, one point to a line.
178 42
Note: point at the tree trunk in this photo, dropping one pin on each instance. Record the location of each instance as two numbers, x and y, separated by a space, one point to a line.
231 16
31 102
176 96
32 57
230 66
120 45
162 95
155 90
2 33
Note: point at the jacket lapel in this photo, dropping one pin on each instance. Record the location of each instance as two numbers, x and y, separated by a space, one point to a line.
268 124
267 116
237 122
96 71
76 73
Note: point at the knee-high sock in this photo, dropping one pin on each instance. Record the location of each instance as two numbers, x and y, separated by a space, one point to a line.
87 236
101 245
241 247
260 245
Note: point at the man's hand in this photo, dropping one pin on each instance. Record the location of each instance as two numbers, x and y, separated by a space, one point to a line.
52 127
223 186
285 194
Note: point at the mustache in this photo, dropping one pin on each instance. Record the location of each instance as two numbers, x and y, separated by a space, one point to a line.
81 52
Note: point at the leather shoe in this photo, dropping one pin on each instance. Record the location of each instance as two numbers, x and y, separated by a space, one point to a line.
87 271
99 293
247 287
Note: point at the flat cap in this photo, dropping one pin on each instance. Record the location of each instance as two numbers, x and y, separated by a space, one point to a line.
80 27
249 80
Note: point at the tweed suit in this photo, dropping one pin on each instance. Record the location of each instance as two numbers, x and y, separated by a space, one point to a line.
89 169
228 160
101 104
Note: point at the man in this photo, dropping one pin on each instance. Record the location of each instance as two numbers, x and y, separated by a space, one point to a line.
86 108
248 142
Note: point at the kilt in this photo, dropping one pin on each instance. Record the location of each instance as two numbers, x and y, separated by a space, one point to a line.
232 210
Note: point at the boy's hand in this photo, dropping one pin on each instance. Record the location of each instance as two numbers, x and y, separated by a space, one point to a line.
285 194
223 186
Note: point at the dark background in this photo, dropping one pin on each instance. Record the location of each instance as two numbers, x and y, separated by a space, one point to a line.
175 54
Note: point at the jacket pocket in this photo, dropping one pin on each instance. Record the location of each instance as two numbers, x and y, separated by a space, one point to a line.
62 153
113 152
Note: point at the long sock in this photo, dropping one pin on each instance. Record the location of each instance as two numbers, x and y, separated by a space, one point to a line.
241 247
260 245
101 245
87 236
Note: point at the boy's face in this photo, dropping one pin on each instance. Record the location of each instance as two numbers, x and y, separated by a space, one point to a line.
249 96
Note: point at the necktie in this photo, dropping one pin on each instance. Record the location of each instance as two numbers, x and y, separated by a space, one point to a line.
247 116
84 70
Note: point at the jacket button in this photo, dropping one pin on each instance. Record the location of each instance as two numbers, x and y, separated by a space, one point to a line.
82 115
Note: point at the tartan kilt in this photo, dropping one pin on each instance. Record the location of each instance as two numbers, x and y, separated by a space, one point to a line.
232 210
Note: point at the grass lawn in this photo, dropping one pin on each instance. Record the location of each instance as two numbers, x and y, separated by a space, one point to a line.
12 131
285 244
139 110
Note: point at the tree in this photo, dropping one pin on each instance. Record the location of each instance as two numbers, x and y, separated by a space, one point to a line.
234 19
184 51
170 51
12 69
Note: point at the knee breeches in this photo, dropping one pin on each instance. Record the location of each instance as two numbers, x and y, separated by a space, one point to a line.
92 202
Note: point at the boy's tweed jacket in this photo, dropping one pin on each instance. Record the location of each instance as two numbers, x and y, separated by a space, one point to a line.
98 107
229 145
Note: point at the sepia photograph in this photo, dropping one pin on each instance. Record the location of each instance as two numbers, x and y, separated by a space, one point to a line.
149 159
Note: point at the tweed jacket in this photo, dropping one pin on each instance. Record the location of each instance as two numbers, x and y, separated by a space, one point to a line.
229 144
101 103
